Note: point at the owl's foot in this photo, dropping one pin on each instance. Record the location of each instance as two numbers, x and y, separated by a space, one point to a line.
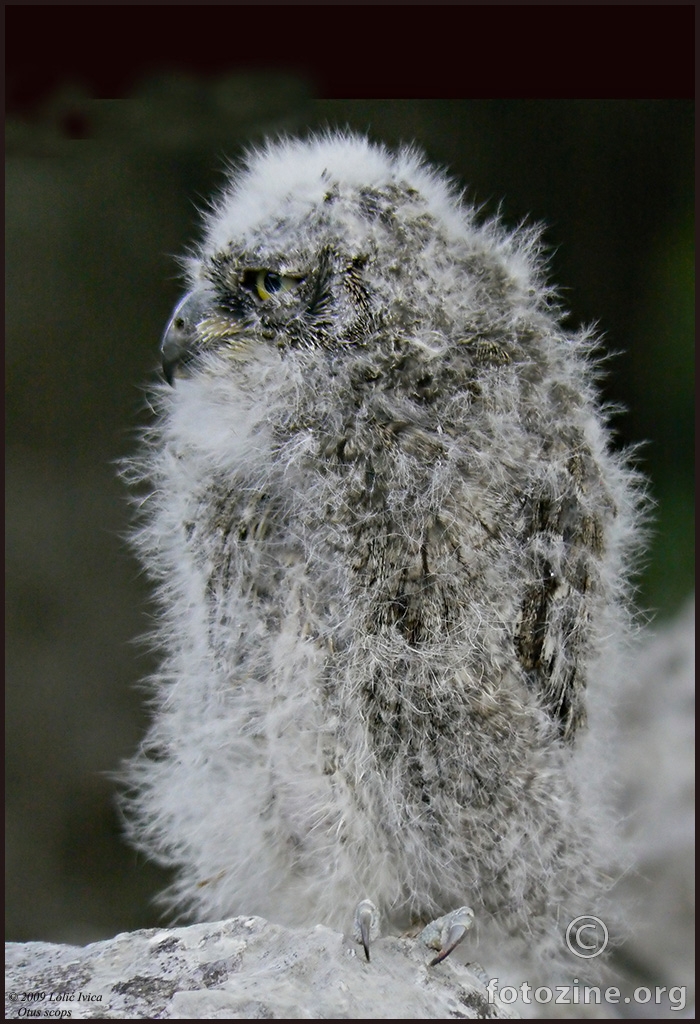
444 933
366 924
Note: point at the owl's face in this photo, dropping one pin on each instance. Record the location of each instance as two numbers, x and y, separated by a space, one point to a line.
318 249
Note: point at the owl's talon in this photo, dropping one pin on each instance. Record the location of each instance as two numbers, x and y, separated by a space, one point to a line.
366 924
445 933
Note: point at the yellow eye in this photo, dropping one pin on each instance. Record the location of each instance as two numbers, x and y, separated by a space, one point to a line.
266 283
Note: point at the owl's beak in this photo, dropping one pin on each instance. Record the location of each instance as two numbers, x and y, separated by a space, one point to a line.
179 340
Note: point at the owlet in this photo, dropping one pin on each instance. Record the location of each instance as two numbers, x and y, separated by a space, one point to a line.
390 542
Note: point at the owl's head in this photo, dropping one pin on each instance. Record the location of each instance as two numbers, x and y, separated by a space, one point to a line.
336 243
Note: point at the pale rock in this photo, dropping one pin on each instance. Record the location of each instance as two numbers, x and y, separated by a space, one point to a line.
244 968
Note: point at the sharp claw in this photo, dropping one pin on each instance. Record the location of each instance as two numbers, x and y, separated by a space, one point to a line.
445 933
366 924
454 937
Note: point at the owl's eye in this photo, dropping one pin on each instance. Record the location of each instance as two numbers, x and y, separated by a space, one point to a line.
265 283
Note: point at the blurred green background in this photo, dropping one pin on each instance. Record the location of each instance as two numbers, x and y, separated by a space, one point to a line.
101 194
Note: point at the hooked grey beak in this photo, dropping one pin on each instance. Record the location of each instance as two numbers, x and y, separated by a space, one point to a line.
178 344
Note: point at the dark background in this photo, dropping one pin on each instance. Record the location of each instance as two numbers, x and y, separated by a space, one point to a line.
101 194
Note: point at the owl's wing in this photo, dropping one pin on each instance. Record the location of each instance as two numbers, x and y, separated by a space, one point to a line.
564 542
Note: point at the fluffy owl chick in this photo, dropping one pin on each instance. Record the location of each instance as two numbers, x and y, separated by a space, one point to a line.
390 542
